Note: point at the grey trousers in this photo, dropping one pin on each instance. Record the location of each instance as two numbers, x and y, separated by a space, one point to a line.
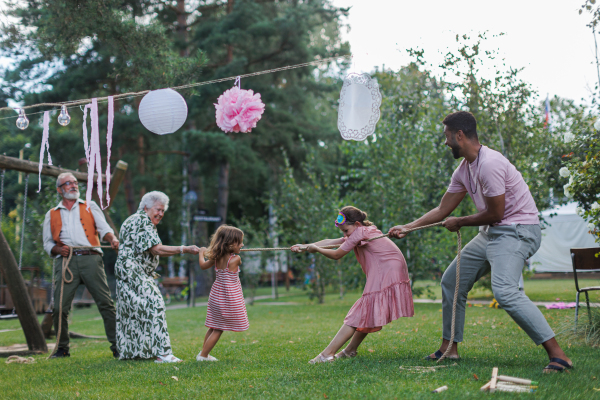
503 249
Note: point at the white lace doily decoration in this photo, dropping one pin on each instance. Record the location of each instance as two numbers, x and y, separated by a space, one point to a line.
358 112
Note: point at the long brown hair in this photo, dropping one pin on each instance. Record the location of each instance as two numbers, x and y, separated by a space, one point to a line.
353 215
222 242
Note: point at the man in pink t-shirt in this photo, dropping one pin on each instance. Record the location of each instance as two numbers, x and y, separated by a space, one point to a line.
509 233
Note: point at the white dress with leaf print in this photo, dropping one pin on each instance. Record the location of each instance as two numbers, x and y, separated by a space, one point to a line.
141 319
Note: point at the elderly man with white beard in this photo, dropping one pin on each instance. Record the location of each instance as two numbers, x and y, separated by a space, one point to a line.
70 223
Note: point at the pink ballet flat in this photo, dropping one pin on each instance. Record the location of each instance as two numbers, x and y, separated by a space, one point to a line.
321 359
345 354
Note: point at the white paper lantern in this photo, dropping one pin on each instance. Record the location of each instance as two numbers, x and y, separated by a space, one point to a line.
358 112
163 111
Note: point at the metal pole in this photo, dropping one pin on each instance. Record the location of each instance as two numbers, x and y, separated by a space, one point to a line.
184 214
275 263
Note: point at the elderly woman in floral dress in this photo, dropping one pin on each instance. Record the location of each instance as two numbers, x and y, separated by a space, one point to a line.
141 319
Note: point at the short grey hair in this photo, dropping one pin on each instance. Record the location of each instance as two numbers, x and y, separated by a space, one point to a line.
62 176
150 199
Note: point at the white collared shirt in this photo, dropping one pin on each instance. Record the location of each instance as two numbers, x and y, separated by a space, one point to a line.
72 233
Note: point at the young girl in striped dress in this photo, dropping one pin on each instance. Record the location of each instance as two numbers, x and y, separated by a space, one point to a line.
226 306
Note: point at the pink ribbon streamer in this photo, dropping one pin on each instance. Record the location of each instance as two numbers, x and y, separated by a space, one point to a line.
92 152
45 145
109 132
85 133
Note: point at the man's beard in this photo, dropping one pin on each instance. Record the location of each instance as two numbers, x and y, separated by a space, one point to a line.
455 152
455 148
69 195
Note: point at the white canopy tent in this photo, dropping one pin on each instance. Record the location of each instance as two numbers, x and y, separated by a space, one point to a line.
566 230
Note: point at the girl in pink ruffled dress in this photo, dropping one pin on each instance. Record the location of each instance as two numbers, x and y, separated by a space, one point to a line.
387 295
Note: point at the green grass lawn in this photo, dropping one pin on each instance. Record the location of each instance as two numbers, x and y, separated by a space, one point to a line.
270 359
537 289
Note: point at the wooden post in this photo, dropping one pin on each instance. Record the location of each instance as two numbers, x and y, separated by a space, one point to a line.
33 168
20 297
116 179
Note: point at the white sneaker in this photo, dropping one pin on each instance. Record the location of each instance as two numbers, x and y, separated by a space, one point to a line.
209 358
170 358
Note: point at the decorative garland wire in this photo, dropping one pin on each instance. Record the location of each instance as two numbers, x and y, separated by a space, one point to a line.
75 103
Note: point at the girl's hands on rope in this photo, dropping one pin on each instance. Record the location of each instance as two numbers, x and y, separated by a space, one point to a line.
396 231
312 248
301 248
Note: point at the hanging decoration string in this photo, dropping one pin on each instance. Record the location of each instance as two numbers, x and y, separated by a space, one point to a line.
74 103
109 132
24 217
45 145
92 152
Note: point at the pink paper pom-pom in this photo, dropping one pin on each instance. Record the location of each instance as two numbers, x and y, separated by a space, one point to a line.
239 110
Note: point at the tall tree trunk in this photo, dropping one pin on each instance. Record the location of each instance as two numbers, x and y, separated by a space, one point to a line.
130 201
223 194
141 162
182 27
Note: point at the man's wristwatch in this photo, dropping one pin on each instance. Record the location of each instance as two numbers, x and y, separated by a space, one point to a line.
181 249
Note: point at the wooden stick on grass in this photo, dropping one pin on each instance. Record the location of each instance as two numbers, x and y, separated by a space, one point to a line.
494 380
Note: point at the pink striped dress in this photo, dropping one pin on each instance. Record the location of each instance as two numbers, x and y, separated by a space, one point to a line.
226 306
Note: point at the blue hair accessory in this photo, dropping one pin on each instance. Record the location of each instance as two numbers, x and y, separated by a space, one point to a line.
341 219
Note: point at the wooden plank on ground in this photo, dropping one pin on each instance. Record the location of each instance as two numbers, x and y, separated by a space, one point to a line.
494 380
